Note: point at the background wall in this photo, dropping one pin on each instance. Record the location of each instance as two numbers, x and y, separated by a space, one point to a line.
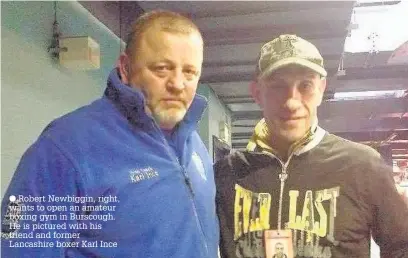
203 128
216 112
34 89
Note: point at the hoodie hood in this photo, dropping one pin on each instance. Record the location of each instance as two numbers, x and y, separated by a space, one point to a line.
260 138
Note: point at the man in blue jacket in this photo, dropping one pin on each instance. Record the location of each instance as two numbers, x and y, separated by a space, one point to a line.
127 175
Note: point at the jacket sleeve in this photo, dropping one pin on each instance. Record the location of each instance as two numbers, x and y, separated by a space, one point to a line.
43 170
390 220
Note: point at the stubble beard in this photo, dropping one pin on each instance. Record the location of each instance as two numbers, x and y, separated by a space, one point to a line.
169 116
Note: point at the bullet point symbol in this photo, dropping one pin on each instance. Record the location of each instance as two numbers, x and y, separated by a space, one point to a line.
12 198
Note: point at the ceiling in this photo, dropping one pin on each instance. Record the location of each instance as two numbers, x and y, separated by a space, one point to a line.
234 32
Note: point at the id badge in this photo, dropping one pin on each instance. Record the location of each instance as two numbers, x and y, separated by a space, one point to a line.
278 243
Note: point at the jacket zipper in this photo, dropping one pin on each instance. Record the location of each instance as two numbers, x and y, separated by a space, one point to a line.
188 184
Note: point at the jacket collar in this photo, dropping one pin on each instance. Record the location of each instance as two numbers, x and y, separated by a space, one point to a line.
260 138
131 103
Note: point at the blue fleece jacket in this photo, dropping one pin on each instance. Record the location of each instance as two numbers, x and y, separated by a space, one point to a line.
157 191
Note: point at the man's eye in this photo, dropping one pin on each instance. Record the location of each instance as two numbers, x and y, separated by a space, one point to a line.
307 85
161 68
190 72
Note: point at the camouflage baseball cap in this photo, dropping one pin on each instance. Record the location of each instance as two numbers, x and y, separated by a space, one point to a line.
290 49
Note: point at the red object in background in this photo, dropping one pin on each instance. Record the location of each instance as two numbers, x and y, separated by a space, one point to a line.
402 163
400 55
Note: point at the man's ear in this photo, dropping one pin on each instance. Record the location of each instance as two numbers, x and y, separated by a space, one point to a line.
322 88
256 92
124 67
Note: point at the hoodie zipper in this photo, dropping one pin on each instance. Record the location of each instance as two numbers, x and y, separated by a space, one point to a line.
284 166
189 186
282 177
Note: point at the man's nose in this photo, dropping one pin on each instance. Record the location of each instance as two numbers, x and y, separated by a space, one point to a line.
293 92
292 98
176 80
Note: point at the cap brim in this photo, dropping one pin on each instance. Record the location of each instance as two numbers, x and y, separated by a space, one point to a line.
296 61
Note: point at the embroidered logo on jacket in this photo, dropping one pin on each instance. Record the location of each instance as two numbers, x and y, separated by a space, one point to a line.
199 165
315 220
141 174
